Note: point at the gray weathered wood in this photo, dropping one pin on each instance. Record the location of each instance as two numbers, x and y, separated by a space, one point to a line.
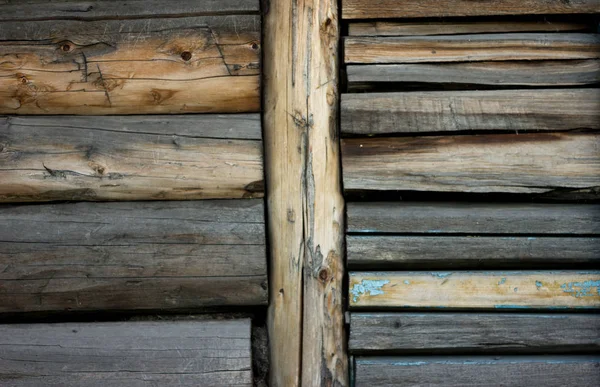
397 252
132 255
130 158
137 354
440 111
513 371
473 218
372 333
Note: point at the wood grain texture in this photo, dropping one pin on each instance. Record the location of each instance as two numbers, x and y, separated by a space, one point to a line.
130 158
513 371
372 333
441 111
132 256
476 290
513 163
136 66
182 353
473 218
304 195
381 9
539 73
418 252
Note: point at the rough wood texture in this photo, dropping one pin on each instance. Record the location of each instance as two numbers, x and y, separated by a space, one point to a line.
473 218
460 48
514 371
130 158
541 73
374 9
476 290
372 333
396 252
515 163
440 111
132 256
135 66
305 203
198 353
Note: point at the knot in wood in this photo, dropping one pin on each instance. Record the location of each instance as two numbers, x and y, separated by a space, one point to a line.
186 56
324 275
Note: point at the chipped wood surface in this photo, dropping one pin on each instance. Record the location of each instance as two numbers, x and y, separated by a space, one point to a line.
514 290
132 256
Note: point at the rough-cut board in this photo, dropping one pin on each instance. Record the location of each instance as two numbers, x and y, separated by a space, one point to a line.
471 48
514 371
372 333
374 9
137 354
132 256
444 252
135 66
130 158
515 163
441 111
476 290
540 73
473 218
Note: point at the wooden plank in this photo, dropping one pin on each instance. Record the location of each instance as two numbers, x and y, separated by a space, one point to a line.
471 48
130 158
372 333
418 252
182 353
515 163
473 218
539 73
441 111
381 9
513 371
304 195
132 256
476 290
172 65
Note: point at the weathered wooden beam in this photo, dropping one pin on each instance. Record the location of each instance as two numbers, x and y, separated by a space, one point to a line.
182 353
373 333
305 204
132 256
130 158
381 9
132 66
476 290
514 371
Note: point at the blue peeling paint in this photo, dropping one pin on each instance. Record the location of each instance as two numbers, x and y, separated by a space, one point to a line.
441 275
538 285
531 239
368 286
406 282
436 231
582 289
516 290
502 281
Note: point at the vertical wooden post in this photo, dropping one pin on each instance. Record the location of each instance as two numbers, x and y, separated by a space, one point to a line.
305 203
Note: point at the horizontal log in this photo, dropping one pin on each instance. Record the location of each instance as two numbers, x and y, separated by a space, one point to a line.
372 333
471 48
418 252
130 158
182 353
174 65
381 9
513 163
540 73
132 256
476 290
513 371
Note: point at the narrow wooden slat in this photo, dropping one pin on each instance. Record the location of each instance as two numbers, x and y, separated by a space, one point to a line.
372 333
476 290
475 47
130 158
397 252
172 65
132 256
381 9
514 371
182 353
